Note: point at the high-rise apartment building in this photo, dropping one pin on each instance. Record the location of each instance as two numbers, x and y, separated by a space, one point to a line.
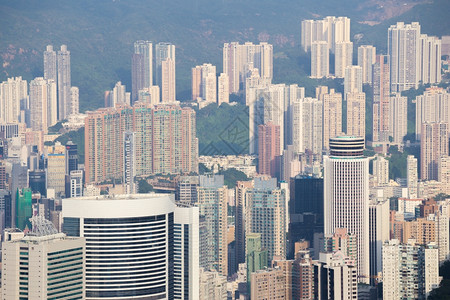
129 162
204 82
343 58
412 176
381 94
432 106
353 80
378 234
223 89
74 101
150 95
366 60
145 49
398 118
56 168
332 114
43 101
165 136
266 214
13 100
356 113
143 244
430 59
268 284
238 60
444 173
163 51
346 195
341 241
381 171
409 270
64 83
330 29
433 145
137 78
240 219
268 148
186 253
212 202
45 264
403 51
168 84
335 277
320 60
117 95
50 70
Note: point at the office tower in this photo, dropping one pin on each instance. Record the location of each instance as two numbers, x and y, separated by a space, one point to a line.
409 270
165 136
306 209
335 277
268 284
412 176
381 171
266 214
366 60
398 118
163 51
168 87
20 175
36 266
343 58
76 184
347 201
73 107
381 93
404 54
186 190
23 208
204 83
13 100
117 95
256 256
223 89
240 219
353 80
320 60
186 253
432 106
332 115
50 71
129 162
444 173
212 203
356 114
71 157
433 145
145 48
43 102
213 286
268 148
378 234
146 222
56 168
238 60
64 83
430 59
149 95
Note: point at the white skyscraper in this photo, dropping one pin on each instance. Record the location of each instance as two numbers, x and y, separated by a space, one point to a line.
145 48
223 89
43 102
127 236
430 55
13 100
168 84
330 29
74 102
50 71
64 83
163 51
117 95
412 176
320 60
343 58
353 80
356 113
44 264
204 83
381 170
398 118
366 59
186 253
346 195
404 53
432 106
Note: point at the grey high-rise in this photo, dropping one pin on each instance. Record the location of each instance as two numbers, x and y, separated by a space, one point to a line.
64 82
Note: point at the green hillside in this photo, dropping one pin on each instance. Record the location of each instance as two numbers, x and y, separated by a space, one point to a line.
100 34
